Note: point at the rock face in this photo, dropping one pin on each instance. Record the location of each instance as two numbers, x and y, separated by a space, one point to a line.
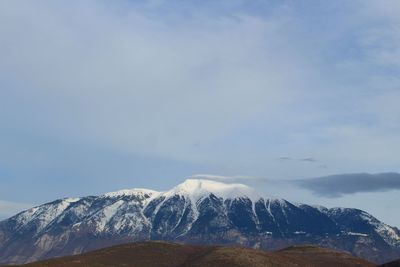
196 211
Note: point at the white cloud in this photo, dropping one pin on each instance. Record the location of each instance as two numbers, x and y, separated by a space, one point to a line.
225 85
138 83
221 177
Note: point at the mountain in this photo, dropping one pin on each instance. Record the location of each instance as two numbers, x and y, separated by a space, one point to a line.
162 254
197 212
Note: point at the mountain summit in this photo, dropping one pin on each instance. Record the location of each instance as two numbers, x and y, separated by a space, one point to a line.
197 189
196 211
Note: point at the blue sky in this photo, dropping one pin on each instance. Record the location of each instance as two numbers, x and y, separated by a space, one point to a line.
97 96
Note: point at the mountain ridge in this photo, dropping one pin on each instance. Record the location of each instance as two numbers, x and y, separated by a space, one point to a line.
196 211
163 254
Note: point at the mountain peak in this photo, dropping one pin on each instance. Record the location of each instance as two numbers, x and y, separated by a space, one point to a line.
197 188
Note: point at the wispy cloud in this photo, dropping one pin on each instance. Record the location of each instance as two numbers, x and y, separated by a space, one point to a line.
223 178
285 158
308 160
217 85
302 160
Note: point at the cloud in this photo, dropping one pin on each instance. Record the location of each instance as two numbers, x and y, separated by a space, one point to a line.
302 160
308 159
223 178
8 208
216 86
133 78
284 158
343 184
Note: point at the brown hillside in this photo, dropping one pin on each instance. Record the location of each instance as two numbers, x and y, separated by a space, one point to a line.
162 254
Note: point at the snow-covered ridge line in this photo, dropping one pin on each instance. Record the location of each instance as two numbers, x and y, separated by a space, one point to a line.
197 189
186 212
193 191
132 192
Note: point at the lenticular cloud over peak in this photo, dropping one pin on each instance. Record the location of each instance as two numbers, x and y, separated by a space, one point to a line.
199 188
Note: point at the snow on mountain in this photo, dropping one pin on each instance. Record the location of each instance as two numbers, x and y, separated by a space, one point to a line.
132 192
388 233
351 219
45 214
195 211
196 189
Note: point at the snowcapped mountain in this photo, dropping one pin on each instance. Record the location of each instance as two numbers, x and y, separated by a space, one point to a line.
196 211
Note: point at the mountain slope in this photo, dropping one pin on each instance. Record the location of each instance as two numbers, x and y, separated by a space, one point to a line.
196 211
157 254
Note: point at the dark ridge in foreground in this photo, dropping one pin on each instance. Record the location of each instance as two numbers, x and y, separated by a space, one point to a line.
395 263
163 254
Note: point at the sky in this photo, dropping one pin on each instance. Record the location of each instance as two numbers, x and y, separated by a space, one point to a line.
288 96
